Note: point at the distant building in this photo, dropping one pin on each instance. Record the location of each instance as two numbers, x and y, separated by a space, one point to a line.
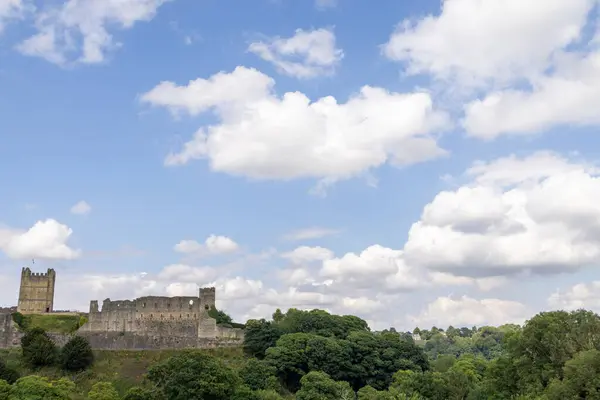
36 294
416 336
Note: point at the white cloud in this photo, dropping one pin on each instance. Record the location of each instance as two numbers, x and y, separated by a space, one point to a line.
470 40
185 273
81 208
581 295
310 233
533 214
12 9
466 311
213 245
46 240
569 96
323 139
306 254
307 54
79 28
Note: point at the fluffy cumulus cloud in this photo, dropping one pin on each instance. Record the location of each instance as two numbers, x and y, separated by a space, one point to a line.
582 295
81 208
262 135
534 214
539 71
79 29
46 240
467 311
307 54
568 96
306 254
445 46
213 245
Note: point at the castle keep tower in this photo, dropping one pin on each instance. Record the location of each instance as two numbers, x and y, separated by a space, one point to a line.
36 294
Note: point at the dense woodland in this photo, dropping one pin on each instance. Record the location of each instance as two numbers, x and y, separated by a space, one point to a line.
313 355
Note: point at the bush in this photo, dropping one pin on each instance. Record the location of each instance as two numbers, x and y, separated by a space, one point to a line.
38 349
76 355
8 374
103 391
21 321
4 390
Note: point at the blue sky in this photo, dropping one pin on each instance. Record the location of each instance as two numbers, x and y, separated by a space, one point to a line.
440 158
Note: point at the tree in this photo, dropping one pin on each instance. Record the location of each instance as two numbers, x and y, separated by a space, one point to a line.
581 378
278 316
103 391
8 374
243 392
319 386
259 336
76 355
38 349
259 375
194 375
221 316
40 388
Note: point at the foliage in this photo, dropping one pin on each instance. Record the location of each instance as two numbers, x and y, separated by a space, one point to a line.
38 349
138 393
40 388
259 336
5 390
20 320
363 358
194 375
221 316
103 391
76 355
259 375
319 386
8 374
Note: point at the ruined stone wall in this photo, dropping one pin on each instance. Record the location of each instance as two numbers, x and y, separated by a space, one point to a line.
36 293
158 322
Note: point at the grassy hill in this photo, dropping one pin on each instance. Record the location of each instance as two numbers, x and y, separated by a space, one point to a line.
124 369
55 323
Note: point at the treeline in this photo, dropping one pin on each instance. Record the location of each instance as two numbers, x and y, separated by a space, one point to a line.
313 355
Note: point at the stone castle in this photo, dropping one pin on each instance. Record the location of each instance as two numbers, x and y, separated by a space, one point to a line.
150 322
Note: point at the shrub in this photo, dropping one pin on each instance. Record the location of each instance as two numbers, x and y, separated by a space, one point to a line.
38 349
20 320
76 355
8 374
103 391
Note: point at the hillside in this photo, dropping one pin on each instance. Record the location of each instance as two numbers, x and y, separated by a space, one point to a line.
124 369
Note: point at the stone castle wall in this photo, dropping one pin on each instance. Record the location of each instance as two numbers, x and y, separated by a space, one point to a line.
150 322
36 294
153 322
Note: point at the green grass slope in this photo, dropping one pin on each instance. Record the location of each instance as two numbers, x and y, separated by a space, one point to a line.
124 369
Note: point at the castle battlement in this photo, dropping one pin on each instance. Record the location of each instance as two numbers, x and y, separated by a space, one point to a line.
183 317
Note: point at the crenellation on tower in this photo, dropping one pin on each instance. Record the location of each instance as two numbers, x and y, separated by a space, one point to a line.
36 292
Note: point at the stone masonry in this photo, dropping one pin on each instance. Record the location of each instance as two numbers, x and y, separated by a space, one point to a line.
145 323
154 322
36 294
